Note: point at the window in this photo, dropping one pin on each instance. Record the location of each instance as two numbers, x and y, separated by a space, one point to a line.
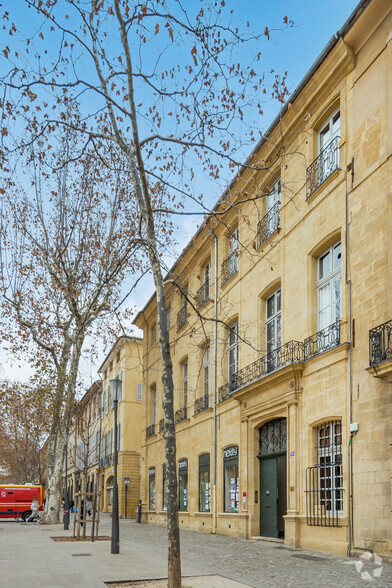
106 445
206 371
168 317
102 403
185 384
154 334
164 489
273 329
329 130
119 377
106 399
328 144
151 494
118 436
111 442
328 287
230 265
231 479
182 315
153 403
183 485
233 351
272 208
204 483
139 393
329 461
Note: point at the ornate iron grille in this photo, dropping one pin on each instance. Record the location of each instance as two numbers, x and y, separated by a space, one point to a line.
322 341
229 267
268 224
322 167
182 317
161 425
380 343
203 294
289 353
180 415
273 437
150 431
201 404
324 481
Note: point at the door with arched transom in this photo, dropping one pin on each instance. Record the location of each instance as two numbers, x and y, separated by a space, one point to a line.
273 477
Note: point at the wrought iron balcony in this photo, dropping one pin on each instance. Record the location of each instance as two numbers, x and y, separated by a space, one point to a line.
203 294
322 167
161 425
322 341
201 404
229 267
181 415
150 431
289 353
268 224
182 317
380 343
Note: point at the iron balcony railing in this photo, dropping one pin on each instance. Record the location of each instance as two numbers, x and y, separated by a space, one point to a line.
268 224
182 317
380 343
322 167
203 294
150 431
161 425
229 267
181 415
322 341
287 354
201 404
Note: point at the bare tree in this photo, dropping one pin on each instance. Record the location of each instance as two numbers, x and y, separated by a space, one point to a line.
167 87
67 243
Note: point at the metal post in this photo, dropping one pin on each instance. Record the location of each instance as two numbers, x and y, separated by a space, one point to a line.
115 521
126 492
66 498
139 511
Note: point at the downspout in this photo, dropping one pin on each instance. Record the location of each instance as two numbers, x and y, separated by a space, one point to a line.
351 546
214 509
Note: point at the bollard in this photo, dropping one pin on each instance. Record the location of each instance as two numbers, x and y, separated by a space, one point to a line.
139 511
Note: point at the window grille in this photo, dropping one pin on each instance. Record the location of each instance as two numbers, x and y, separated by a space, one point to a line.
324 481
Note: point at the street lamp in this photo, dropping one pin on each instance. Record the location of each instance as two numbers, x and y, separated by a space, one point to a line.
66 497
115 390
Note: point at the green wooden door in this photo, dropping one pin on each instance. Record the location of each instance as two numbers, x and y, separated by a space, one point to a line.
268 497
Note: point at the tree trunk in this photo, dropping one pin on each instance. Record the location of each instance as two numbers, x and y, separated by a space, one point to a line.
54 482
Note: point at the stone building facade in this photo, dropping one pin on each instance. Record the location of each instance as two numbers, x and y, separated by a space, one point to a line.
281 330
83 444
124 362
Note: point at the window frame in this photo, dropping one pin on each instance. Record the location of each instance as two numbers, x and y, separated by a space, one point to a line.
185 382
183 501
232 347
327 470
151 488
329 279
231 461
204 466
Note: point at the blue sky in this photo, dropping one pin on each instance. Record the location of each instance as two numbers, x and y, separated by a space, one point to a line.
293 50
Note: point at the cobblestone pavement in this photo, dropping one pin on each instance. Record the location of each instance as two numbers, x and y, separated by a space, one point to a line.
259 563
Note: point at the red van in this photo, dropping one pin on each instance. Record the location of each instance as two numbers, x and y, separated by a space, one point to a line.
15 500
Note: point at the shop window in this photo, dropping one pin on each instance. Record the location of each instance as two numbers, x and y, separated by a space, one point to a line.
164 489
183 485
231 479
151 489
204 483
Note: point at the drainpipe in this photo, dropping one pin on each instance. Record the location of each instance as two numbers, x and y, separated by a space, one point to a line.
351 546
214 513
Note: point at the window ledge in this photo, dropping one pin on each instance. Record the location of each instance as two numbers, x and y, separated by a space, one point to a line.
233 514
202 514
325 183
